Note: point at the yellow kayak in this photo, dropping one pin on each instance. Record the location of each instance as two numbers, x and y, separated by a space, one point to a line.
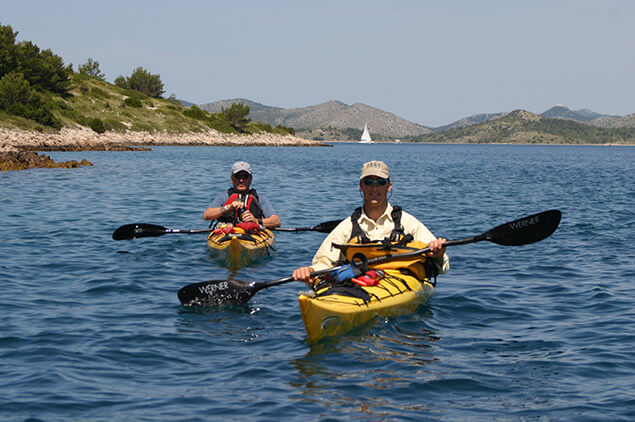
333 310
238 248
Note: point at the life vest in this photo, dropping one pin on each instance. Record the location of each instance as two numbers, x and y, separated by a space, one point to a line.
359 245
251 201
396 235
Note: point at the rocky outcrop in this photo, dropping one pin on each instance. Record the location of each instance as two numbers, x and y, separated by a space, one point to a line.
23 160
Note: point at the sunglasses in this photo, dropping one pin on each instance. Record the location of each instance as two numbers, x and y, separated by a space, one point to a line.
241 176
370 182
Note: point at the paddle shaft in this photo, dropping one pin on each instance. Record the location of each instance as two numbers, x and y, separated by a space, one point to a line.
377 260
188 231
325 227
138 230
296 229
523 231
518 232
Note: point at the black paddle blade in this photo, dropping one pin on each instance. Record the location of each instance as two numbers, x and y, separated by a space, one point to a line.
217 293
525 230
132 231
327 226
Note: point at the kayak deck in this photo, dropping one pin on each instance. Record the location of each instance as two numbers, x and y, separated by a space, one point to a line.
327 315
238 249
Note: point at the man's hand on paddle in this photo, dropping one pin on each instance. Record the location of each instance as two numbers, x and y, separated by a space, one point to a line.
437 248
303 274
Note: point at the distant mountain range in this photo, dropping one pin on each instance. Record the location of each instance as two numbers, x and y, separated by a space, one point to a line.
338 121
328 115
523 127
591 118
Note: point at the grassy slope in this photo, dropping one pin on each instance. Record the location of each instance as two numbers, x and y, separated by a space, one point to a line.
94 99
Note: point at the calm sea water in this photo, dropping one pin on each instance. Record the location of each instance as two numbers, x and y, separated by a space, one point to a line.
93 331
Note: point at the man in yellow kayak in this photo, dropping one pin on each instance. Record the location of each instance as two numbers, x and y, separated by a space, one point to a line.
376 220
241 203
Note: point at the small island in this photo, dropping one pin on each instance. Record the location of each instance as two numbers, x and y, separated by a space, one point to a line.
47 106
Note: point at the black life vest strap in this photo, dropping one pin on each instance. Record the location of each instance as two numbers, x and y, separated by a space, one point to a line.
397 234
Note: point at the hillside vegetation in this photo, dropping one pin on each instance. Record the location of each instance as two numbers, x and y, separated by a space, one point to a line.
102 106
524 127
38 92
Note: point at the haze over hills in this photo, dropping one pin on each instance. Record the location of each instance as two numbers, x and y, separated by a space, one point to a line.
627 121
336 120
561 112
590 118
331 114
521 126
469 121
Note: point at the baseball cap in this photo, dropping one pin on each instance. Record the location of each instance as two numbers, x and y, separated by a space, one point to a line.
241 166
375 168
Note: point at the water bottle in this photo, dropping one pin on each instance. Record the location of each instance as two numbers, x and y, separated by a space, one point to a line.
242 211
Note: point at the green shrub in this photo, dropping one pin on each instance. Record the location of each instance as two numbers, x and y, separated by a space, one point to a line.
114 125
143 81
172 98
91 69
99 93
236 115
97 125
132 102
43 69
263 127
79 77
196 113
221 125
17 97
284 130
121 82
62 105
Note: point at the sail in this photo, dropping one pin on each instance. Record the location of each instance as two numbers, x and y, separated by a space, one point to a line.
366 139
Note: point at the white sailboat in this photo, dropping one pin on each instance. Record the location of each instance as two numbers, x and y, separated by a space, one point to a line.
366 139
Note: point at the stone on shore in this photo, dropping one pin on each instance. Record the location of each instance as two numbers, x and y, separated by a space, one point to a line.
13 141
81 138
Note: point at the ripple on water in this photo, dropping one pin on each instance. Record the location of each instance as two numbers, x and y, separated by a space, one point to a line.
93 329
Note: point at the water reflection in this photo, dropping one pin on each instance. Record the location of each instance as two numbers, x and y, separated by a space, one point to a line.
393 354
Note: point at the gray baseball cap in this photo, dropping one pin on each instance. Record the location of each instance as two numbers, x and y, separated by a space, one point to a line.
241 166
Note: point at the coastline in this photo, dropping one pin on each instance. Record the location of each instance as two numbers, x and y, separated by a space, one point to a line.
85 138
18 147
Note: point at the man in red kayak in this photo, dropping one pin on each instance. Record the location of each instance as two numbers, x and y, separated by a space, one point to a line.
377 219
241 203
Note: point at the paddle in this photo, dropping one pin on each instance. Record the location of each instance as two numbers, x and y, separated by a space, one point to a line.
523 231
133 231
325 227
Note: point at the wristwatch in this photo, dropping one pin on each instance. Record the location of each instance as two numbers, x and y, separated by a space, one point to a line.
224 209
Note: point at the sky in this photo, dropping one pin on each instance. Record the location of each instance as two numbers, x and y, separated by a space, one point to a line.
430 62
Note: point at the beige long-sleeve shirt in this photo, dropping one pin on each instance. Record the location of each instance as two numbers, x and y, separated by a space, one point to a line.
326 256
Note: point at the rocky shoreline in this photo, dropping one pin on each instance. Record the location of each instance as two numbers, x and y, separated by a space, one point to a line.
17 147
